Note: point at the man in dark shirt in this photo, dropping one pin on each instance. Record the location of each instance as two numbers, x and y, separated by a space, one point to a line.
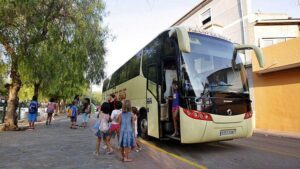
112 102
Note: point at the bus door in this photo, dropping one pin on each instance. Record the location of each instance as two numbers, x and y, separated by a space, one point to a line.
153 101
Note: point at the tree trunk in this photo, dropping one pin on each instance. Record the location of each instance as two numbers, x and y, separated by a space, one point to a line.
10 120
36 89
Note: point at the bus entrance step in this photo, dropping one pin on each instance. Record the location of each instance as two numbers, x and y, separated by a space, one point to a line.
172 137
164 138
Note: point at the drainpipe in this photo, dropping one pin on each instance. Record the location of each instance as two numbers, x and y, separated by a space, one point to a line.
244 36
250 78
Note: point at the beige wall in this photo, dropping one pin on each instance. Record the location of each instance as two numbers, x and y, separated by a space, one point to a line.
224 13
277 93
275 31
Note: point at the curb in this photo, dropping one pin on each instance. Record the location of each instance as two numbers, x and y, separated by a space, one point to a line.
23 122
292 135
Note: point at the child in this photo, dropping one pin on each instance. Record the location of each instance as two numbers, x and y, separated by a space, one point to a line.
135 116
103 131
175 107
86 112
33 110
50 110
74 115
115 126
126 140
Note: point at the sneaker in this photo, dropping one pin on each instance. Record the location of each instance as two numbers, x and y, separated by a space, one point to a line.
95 153
109 152
138 149
104 147
175 134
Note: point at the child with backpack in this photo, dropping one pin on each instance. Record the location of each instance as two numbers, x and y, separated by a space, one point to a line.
32 113
74 115
127 138
50 110
69 110
103 131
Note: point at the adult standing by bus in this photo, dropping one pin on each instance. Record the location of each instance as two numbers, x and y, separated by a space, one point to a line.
112 103
50 110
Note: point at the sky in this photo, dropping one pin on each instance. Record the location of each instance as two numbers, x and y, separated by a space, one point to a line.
134 23
290 7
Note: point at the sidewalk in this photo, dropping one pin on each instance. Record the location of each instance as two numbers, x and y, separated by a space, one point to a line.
59 147
56 146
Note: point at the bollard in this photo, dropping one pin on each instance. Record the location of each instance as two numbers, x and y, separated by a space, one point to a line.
4 113
19 113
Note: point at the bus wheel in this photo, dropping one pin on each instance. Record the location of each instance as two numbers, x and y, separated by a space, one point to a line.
144 127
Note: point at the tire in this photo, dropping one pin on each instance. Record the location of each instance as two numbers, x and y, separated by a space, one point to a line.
143 124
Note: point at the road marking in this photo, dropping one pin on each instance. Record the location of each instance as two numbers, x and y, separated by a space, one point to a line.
272 151
173 155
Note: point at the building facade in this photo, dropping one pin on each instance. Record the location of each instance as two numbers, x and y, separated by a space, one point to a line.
235 20
277 87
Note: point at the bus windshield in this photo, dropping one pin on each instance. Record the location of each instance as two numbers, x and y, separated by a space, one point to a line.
208 67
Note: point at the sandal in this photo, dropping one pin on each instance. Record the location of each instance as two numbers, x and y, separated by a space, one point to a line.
127 160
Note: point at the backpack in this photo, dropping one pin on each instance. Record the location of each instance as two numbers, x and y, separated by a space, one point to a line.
104 126
69 111
50 108
33 107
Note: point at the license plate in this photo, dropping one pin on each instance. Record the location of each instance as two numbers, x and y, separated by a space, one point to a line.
227 132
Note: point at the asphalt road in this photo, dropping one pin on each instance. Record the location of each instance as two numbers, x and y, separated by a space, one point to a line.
258 152
59 147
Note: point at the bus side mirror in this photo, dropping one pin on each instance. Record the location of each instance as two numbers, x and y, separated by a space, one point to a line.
182 37
258 53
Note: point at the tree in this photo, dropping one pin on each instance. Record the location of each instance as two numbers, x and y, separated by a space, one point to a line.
30 29
3 68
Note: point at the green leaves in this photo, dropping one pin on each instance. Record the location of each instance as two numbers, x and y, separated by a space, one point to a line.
59 44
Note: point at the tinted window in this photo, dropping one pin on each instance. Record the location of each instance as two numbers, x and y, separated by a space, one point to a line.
123 74
114 79
152 78
105 85
133 66
169 49
152 53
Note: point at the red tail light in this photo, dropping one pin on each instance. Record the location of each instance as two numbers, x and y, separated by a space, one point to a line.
248 115
198 115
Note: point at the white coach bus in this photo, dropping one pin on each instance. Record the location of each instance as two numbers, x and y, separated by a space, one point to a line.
213 88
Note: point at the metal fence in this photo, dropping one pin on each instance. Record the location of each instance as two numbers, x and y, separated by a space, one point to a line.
21 111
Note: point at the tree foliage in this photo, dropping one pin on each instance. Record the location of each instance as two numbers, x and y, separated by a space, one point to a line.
72 55
55 45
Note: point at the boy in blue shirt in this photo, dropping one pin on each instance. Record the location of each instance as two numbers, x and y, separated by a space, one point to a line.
32 113
74 115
